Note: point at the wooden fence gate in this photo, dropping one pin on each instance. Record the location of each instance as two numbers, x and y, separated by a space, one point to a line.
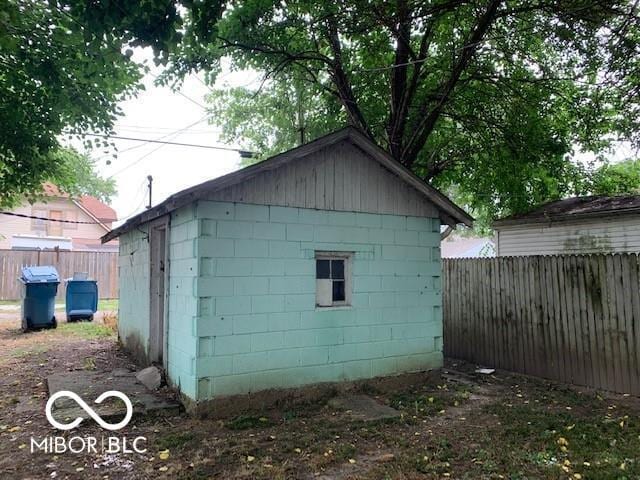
573 318
101 266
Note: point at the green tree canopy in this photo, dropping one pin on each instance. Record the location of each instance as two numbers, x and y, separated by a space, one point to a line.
57 77
621 178
484 97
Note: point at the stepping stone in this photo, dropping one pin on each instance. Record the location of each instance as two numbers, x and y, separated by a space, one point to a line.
90 385
363 407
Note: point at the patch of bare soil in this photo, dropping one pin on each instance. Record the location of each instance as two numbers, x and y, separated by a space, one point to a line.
462 425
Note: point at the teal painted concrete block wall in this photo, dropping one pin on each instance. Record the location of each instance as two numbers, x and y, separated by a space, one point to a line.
133 305
182 305
254 321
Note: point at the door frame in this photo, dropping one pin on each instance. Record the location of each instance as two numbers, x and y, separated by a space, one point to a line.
158 308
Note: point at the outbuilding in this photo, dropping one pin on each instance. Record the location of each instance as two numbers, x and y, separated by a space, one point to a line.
577 225
320 264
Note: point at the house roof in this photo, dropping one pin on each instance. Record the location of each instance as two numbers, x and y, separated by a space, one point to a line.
449 211
466 247
98 209
576 208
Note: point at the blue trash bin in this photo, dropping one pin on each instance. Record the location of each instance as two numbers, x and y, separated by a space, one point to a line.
81 298
40 285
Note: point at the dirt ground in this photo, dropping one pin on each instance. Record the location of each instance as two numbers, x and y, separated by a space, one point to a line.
462 425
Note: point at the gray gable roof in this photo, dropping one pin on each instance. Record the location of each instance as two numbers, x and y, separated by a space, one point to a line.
574 208
448 211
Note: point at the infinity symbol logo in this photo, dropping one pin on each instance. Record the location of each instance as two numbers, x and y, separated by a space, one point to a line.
89 410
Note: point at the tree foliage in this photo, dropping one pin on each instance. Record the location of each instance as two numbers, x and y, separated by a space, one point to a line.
621 178
486 97
57 77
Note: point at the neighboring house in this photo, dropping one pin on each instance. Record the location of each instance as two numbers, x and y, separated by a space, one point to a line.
576 225
25 233
321 264
467 247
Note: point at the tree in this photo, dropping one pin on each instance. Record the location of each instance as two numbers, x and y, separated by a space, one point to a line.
486 96
621 178
56 77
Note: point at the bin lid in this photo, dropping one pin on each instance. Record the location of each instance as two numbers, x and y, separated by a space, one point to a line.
40 274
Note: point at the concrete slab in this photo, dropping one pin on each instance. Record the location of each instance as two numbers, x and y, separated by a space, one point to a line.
89 385
363 407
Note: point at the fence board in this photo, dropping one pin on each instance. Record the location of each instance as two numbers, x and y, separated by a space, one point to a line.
571 318
101 266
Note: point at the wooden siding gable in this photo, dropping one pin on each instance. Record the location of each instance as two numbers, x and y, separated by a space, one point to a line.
294 178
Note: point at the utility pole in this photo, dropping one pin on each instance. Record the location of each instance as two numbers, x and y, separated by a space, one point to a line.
150 178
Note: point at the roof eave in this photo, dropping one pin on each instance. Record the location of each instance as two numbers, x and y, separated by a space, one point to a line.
507 222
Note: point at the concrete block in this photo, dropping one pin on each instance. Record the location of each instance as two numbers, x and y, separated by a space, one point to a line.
235 229
267 303
215 210
406 237
382 367
233 305
394 222
300 302
345 219
368 220
288 358
249 323
296 232
269 231
267 341
217 366
356 334
381 236
209 326
283 214
329 336
299 338
367 284
298 266
249 362
313 217
207 266
284 249
357 369
420 224
232 344
292 285
209 227
234 267
283 321
252 213
314 355
267 267
232 385
251 285
381 299
251 248
214 287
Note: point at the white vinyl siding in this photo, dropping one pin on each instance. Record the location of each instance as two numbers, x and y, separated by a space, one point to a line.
614 234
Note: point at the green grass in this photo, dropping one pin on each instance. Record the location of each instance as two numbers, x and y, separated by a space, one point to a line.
86 330
244 422
107 304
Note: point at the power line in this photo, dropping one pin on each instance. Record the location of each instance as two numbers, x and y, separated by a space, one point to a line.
47 219
243 153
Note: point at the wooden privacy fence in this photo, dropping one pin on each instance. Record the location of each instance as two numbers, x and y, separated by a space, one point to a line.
101 266
573 318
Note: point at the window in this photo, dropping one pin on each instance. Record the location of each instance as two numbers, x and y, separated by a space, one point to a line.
38 225
333 279
70 216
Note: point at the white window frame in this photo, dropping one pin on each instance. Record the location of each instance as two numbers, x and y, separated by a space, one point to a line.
324 286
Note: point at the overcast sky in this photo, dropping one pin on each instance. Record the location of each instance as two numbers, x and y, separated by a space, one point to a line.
159 113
